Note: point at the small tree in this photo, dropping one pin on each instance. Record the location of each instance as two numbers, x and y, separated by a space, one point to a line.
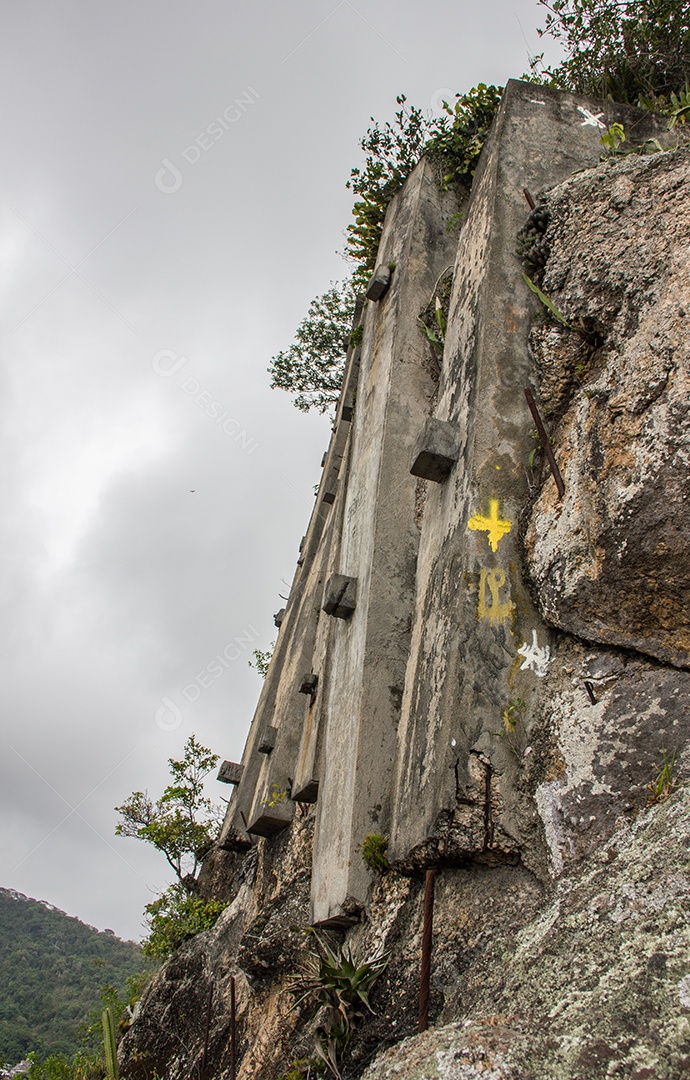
313 365
262 660
182 824
635 51
392 151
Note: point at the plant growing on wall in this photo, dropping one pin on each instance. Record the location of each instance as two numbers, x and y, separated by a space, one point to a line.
262 660
337 983
392 151
276 796
456 140
312 367
373 851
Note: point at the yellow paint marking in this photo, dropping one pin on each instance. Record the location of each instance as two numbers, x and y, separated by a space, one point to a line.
498 611
493 525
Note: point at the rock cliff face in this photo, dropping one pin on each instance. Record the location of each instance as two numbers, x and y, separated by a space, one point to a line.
492 676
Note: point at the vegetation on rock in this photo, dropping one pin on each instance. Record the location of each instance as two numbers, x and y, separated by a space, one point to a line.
182 824
336 985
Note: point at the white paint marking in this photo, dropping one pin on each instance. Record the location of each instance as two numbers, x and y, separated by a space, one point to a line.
590 120
536 659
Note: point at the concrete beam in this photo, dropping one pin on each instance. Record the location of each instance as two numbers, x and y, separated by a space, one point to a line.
234 840
359 702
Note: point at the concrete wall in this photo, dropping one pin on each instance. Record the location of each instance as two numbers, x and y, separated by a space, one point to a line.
426 689
379 548
479 648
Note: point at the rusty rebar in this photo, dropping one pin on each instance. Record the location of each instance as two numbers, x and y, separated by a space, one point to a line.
233 1030
530 201
545 444
425 976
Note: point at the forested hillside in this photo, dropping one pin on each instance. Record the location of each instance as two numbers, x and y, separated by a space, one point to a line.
52 967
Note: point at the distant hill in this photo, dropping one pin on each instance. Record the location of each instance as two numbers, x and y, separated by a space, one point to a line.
52 967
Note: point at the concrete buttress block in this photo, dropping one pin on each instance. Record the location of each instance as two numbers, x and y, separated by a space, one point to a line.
340 596
379 283
267 740
234 840
308 684
436 451
330 485
274 815
230 772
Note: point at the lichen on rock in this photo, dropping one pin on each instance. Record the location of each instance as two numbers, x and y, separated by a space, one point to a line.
611 561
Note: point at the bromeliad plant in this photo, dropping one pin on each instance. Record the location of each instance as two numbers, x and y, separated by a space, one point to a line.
436 337
337 986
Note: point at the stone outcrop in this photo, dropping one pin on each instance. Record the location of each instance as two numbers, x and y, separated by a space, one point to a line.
597 986
492 676
610 561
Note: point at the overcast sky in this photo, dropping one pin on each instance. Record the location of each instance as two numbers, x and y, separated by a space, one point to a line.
173 196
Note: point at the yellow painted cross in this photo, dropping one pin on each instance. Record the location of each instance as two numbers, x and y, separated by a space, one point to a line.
493 525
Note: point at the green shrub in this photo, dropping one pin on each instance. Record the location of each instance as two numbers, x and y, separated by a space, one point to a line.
457 143
176 916
61 1067
312 367
636 52
373 851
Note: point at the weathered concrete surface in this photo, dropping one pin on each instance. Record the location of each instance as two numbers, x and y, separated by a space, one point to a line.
611 562
436 451
479 648
379 542
598 986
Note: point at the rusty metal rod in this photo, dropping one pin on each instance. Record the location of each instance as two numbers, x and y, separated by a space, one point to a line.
233 1030
209 1005
425 976
530 201
545 444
